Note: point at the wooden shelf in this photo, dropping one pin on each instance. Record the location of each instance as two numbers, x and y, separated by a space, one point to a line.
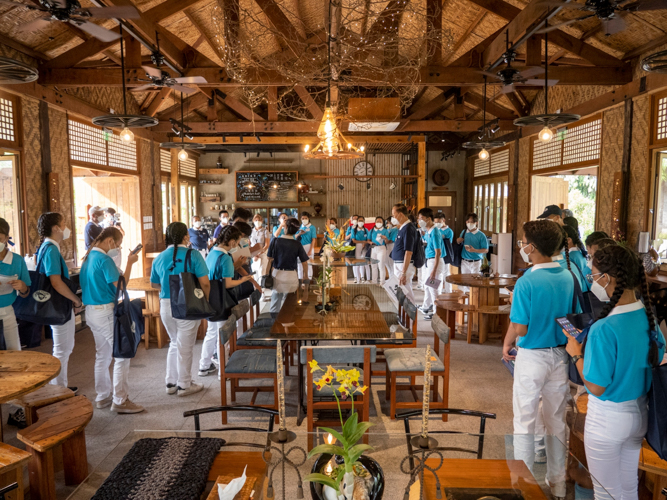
213 171
209 199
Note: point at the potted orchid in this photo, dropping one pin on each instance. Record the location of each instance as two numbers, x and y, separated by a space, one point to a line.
337 244
341 471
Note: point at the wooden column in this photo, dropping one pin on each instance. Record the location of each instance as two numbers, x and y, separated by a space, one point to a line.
622 223
175 187
421 172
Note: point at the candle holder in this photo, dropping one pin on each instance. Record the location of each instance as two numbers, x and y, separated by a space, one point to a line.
282 437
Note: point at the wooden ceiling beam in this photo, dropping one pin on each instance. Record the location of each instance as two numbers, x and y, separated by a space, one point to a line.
83 51
387 21
310 103
534 51
284 28
432 106
272 103
517 103
645 48
491 107
195 101
155 104
309 139
167 9
238 107
10 42
200 29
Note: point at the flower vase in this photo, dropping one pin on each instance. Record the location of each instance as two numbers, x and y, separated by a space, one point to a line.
369 488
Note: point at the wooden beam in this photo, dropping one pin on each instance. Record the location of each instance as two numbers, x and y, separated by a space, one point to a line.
10 42
476 22
238 107
284 28
152 108
272 103
167 9
534 51
202 32
310 103
308 139
421 172
431 107
195 101
387 21
211 109
132 52
491 107
645 48
517 103
175 187
434 26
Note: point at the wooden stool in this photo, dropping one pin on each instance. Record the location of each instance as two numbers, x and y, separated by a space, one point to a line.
12 461
447 310
153 316
63 424
655 469
43 396
485 315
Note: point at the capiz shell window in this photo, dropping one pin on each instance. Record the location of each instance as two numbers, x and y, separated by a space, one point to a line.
96 146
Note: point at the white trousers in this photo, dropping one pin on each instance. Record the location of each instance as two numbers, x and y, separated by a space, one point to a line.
10 328
430 294
182 334
284 282
613 439
210 344
446 287
299 269
541 372
260 266
407 288
470 268
389 262
100 321
63 345
380 254
359 270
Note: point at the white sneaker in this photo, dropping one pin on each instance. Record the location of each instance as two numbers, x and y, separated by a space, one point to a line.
171 388
207 371
558 490
541 456
127 407
194 388
356 281
103 403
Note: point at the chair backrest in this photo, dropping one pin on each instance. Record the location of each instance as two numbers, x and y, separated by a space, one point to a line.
449 411
410 309
440 328
241 309
400 295
255 297
227 329
333 354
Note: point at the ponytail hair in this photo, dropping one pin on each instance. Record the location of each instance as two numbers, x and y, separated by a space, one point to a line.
227 234
45 225
573 234
175 234
107 232
566 248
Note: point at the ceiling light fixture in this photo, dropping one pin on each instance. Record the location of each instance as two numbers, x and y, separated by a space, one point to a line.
655 63
182 146
547 120
484 141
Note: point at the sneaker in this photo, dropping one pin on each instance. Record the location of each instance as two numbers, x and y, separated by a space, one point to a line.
215 360
425 310
103 403
194 388
362 281
266 298
428 317
207 371
127 407
17 419
558 490
541 456
75 390
171 388
356 281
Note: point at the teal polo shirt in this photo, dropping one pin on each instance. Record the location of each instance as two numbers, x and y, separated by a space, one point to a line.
160 271
220 264
448 233
393 232
616 354
336 233
434 241
97 278
478 241
309 234
13 265
578 261
375 235
51 260
541 296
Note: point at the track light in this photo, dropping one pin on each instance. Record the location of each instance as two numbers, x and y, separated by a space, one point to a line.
224 139
410 138
241 138
495 128
189 136
175 131
259 139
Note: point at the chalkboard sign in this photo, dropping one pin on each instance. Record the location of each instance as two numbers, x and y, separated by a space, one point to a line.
267 186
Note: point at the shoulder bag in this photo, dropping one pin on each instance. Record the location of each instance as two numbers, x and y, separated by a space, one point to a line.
656 435
457 249
220 299
582 321
188 300
128 323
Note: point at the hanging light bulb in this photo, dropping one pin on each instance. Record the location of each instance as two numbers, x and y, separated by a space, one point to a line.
182 155
126 135
545 135
483 154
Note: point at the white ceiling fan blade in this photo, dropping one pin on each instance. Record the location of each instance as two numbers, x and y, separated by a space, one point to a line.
614 25
540 82
154 72
127 12
184 90
102 34
506 89
530 72
34 25
143 87
191 79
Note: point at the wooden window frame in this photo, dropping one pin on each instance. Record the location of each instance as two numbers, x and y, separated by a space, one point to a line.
499 199
494 175
18 122
653 133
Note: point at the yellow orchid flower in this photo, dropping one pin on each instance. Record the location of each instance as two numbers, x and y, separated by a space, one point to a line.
354 375
362 389
314 366
320 384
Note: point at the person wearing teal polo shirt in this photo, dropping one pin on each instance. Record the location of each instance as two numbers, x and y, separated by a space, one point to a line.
182 332
308 237
279 230
14 279
435 264
392 232
379 237
359 238
351 226
220 266
333 223
616 370
541 366
447 234
99 281
475 246
577 259
52 232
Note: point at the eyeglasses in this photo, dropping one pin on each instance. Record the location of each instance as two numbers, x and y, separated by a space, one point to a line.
590 277
520 243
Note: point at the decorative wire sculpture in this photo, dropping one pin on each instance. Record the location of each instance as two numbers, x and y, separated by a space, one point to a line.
418 472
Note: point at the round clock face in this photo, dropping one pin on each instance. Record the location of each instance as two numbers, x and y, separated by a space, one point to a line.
362 302
362 170
440 177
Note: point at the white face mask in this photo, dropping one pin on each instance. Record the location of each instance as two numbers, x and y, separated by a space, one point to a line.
66 233
100 219
224 220
233 250
360 224
258 223
471 226
244 242
422 224
389 226
2 247
394 221
305 222
439 225
524 254
599 291
378 225
332 226
113 252
197 224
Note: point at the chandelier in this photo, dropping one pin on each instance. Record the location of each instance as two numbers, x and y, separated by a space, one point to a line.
332 145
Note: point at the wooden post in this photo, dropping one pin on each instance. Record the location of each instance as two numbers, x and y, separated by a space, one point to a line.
625 180
75 459
175 188
421 172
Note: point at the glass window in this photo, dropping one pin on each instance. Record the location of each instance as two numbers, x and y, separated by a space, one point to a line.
491 210
660 211
485 208
10 205
166 206
505 195
499 209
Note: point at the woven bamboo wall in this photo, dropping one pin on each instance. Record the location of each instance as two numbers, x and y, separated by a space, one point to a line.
567 96
373 202
523 185
639 170
613 123
60 164
106 98
35 186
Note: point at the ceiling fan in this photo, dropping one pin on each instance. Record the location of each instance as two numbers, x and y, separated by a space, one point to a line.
607 11
509 76
70 11
160 78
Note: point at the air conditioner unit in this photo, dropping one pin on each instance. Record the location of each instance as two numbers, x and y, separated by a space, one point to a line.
501 256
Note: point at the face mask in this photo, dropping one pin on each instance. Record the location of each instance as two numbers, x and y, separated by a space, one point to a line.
332 226
113 252
599 291
224 220
305 222
244 242
524 255
378 225
438 225
422 224
66 233
2 247
233 250
100 219
389 226
394 221
471 226
258 223
197 225
360 224
354 222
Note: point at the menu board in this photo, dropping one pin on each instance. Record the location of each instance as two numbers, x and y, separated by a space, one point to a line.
267 186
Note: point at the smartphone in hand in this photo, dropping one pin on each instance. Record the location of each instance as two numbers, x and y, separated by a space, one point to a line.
136 249
568 327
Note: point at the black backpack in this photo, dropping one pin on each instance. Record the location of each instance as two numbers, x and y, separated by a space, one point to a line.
418 254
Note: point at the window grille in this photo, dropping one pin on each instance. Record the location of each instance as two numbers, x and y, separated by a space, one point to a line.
188 168
547 155
122 155
87 143
500 162
7 123
481 167
582 143
661 129
165 160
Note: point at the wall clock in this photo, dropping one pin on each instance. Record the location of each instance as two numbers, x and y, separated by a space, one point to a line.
440 177
362 170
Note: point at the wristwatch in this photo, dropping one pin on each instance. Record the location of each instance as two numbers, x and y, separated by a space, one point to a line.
576 358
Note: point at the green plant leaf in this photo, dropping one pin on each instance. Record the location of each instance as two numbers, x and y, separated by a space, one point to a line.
359 431
350 425
322 479
326 448
356 451
335 434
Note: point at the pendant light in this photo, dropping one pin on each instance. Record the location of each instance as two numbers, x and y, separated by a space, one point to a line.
655 63
547 120
13 72
484 143
124 122
182 146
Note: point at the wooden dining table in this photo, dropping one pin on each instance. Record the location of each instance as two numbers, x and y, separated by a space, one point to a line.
24 371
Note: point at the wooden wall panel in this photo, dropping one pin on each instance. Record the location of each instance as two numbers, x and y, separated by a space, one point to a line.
373 202
611 157
35 185
639 170
523 185
151 203
60 164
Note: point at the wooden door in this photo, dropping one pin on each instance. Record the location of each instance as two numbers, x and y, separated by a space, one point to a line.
445 202
547 191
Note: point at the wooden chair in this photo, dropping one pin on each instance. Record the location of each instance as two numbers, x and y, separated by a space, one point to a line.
12 462
244 364
411 363
324 399
654 468
44 396
450 309
153 317
63 424
486 314
408 326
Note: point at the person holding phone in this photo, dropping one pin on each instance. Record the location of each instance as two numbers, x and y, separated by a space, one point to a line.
435 265
541 365
99 281
333 223
220 266
475 246
616 370
392 231
379 237
182 332
351 226
308 237
259 238
14 270
287 255
359 237
279 229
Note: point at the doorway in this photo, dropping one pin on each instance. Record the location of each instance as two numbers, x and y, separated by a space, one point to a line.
445 202
105 189
10 199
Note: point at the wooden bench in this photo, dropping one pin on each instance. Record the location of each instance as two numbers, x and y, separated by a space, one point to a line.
44 396
485 315
12 461
62 424
447 311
